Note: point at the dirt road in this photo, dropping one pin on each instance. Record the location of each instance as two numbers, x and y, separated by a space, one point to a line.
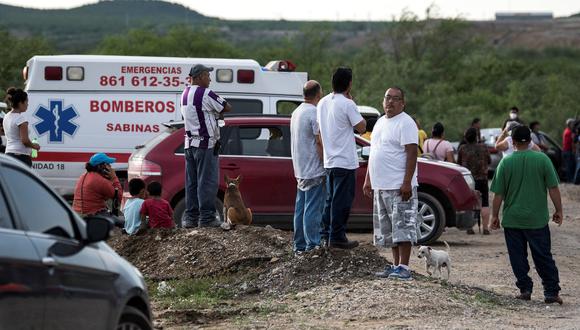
478 295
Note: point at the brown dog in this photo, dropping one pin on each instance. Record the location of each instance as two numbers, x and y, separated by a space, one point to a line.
235 210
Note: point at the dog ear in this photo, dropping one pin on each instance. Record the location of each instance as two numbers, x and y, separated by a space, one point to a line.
226 179
429 248
239 179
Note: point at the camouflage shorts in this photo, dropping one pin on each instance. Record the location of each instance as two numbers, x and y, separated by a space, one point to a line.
394 221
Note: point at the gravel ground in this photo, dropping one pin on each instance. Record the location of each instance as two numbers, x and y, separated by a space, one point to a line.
335 289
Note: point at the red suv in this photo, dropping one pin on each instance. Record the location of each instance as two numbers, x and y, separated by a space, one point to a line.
258 148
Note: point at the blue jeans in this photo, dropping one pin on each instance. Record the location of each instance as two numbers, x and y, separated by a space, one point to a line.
517 241
570 165
201 185
340 188
307 218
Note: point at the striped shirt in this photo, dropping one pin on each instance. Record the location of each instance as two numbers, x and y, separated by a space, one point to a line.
200 108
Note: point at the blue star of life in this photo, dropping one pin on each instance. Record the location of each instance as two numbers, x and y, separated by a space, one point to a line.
56 120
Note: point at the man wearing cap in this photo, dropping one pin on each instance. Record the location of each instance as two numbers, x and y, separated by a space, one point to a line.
96 186
200 108
521 182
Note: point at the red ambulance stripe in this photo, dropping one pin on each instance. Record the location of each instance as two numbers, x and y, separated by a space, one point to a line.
72 157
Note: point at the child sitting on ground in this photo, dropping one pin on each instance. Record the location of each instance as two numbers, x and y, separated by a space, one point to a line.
132 208
156 208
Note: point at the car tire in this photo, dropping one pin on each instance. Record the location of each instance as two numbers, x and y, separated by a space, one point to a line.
179 210
431 216
133 319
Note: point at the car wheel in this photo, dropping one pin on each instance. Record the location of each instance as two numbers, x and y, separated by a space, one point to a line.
179 210
133 319
431 217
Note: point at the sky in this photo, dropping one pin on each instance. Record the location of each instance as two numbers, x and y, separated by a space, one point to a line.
359 10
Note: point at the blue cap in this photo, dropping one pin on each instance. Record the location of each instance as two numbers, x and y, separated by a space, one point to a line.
101 158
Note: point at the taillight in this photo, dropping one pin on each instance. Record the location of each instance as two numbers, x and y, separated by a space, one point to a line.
246 76
142 168
75 73
53 73
225 75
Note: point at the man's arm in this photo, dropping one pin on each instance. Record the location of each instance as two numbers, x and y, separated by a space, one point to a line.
319 147
361 127
367 187
227 107
557 200
497 200
410 165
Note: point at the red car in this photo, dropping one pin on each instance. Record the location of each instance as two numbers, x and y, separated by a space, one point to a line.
258 148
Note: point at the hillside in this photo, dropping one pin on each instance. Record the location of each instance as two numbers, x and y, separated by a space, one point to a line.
80 29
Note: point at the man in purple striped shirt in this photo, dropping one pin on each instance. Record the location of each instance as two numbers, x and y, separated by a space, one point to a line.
200 108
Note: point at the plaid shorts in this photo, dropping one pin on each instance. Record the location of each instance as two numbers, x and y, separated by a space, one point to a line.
394 221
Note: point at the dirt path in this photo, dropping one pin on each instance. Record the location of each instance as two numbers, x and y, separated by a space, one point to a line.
478 296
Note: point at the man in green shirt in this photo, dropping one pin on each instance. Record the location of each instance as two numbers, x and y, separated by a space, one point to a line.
522 181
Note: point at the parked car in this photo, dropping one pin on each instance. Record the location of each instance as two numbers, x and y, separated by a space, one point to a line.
489 137
446 191
56 271
554 152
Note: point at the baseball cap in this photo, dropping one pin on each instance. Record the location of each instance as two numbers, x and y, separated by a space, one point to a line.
521 134
198 69
101 158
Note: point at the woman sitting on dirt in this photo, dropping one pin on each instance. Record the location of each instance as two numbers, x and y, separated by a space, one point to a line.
96 187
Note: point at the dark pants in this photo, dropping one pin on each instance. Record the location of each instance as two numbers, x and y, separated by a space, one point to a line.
201 186
570 165
517 241
26 159
340 187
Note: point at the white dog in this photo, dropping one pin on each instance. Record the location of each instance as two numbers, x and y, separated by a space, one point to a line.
436 259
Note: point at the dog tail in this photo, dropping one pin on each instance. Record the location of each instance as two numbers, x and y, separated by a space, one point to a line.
447 245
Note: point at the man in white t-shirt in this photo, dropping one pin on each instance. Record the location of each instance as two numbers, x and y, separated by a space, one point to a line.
392 180
309 171
337 116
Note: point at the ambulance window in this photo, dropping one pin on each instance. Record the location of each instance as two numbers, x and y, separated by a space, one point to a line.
245 106
286 107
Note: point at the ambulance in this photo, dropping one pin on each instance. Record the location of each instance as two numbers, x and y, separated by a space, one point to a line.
83 104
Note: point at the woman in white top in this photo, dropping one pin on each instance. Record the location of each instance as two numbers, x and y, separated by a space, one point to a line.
437 147
15 125
505 144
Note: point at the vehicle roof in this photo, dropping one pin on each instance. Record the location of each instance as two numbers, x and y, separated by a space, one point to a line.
142 59
243 119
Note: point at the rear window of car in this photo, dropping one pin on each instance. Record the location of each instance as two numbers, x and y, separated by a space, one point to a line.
245 106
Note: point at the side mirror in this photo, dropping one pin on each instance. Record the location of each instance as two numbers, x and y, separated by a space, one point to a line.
366 152
98 228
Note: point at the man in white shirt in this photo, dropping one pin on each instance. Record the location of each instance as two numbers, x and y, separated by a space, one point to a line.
337 116
392 180
309 171
200 108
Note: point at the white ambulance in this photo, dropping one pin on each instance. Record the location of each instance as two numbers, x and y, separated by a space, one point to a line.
83 104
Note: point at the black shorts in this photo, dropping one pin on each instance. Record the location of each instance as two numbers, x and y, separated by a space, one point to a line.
483 188
26 159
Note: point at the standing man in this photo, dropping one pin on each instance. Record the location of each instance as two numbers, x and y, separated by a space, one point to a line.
337 114
392 180
521 181
309 171
568 150
514 116
200 108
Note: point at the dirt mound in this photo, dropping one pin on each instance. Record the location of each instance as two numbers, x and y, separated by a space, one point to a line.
255 259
